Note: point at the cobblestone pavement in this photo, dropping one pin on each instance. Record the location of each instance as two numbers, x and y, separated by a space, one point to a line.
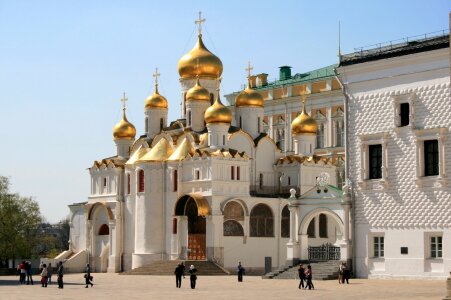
114 286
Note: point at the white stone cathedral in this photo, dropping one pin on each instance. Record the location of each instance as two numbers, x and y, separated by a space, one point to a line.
209 186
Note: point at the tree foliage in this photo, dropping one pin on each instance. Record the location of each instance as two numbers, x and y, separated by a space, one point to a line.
19 222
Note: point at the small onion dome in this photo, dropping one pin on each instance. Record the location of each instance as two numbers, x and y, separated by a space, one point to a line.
198 93
304 124
199 62
218 113
124 129
155 100
249 97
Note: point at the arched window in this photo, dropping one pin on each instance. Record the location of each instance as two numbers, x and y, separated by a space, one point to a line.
174 181
258 124
233 228
285 223
161 124
261 180
232 173
241 123
233 211
128 183
174 226
104 230
237 173
322 226
289 180
212 98
261 221
141 181
146 125
189 118
311 229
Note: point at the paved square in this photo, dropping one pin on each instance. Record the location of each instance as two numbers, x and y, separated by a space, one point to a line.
114 286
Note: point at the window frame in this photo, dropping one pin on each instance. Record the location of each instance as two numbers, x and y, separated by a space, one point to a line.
422 135
365 182
378 246
396 102
436 241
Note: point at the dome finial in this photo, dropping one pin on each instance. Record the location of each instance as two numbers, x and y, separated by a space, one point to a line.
199 22
124 105
156 75
124 129
303 98
249 69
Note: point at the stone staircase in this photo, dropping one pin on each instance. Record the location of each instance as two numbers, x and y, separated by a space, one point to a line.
322 270
167 267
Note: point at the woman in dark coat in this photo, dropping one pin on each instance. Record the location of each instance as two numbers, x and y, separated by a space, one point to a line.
301 275
192 276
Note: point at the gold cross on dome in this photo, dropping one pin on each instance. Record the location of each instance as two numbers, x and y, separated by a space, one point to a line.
249 69
200 21
156 75
124 100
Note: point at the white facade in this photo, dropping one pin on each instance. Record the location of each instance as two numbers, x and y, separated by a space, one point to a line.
191 191
402 214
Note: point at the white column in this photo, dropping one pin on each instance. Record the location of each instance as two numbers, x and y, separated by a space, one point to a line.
270 123
329 129
183 237
303 241
293 244
288 133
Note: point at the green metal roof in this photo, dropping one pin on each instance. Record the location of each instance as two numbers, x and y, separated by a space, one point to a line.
322 73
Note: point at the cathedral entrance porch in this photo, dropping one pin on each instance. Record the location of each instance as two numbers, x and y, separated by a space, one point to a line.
192 209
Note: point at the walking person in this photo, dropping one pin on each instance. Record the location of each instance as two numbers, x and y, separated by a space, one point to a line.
29 272
192 277
179 272
44 274
301 275
49 273
60 272
88 276
240 271
340 273
309 276
22 272
346 273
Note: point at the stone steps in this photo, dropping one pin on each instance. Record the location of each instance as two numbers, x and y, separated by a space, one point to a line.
167 267
326 270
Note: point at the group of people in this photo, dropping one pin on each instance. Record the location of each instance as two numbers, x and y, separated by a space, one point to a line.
180 272
344 273
305 276
25 272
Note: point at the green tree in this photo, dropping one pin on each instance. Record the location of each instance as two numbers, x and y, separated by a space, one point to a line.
19 222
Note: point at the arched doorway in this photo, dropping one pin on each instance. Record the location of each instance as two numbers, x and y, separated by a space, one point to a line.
195 208
99 216
321 232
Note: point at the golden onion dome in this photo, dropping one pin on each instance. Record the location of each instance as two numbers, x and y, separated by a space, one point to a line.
249 97
155 100
124 129
198 93
304 124
218 113
199 62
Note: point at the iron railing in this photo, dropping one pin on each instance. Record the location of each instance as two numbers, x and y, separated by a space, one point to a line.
324 252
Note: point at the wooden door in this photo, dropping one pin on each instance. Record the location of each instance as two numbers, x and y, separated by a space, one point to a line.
197 246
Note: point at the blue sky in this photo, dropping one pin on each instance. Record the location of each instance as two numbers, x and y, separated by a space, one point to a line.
65 64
